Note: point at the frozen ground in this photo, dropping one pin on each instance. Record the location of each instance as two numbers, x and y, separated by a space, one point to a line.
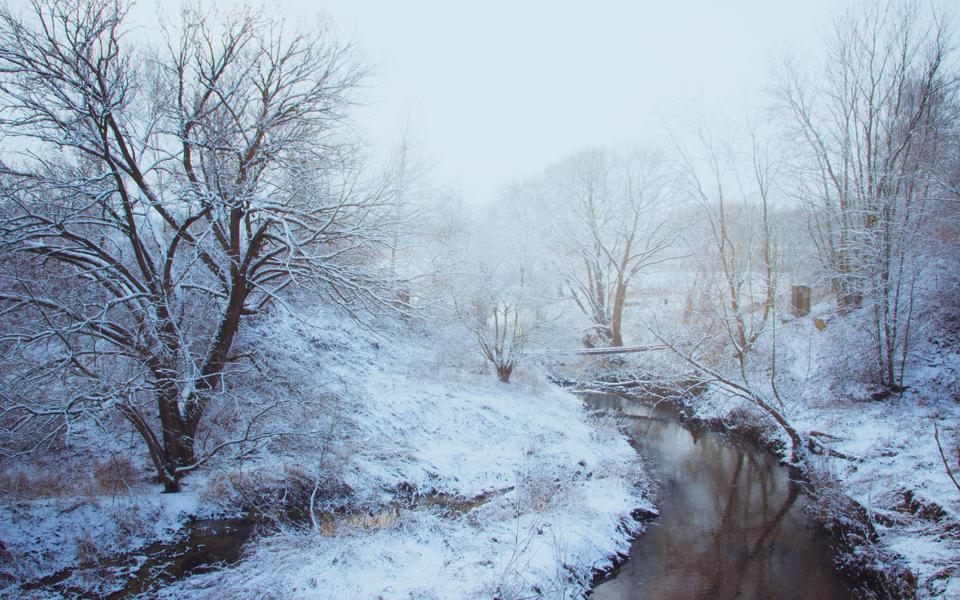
43 536
413 419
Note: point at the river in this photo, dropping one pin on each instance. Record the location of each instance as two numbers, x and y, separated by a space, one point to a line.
732 524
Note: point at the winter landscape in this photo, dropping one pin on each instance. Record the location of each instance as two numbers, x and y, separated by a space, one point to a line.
255 343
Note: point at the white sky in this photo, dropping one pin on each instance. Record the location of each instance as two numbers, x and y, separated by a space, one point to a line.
496 90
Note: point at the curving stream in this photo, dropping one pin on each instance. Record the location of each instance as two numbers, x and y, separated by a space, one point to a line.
732 524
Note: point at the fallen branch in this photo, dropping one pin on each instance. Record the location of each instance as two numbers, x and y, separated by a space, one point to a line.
603 351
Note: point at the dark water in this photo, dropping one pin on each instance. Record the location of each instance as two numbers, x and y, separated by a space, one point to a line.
205 545
731 523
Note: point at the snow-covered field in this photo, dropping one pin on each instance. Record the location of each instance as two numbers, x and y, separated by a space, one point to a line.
415 420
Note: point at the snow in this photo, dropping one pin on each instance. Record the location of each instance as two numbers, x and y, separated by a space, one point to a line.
413 411
44 536
571 480
896 456
890 443
496 549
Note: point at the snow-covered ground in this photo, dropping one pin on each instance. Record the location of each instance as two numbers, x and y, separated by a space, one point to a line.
895 469
411 420
43 536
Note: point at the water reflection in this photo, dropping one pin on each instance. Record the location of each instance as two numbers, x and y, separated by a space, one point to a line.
731 525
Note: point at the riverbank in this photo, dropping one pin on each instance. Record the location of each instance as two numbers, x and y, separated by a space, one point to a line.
873 460
544 489
863 562
733 524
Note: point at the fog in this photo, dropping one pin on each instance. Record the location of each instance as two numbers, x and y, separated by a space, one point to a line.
322 289
496 90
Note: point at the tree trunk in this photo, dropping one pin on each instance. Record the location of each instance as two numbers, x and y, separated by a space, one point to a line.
795 441
616 340
616 320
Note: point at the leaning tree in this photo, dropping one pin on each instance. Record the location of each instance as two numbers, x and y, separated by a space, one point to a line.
154 198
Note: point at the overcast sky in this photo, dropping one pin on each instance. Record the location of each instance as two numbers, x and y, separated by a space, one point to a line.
498 89
495 90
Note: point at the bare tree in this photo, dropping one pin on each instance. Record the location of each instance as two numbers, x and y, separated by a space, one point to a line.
612 223
501 330
874 126
500 300
735 192
161 198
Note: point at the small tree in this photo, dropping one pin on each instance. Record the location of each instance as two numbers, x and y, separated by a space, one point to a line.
501 332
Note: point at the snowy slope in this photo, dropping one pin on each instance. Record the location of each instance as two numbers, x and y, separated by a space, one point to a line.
43 536
437 481
562 484
895 469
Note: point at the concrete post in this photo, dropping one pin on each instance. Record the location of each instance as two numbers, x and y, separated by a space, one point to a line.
800 300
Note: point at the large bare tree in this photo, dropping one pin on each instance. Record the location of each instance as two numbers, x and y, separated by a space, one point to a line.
735 187
612 221
154 199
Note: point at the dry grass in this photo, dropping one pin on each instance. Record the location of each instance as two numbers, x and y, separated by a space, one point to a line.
87 551
111 476
330 524
115 475
45 485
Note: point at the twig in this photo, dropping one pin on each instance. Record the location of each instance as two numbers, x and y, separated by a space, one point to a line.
943 457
